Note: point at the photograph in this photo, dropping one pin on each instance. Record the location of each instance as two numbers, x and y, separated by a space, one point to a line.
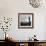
25 20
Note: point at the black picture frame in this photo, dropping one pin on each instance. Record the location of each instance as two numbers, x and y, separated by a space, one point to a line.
25 20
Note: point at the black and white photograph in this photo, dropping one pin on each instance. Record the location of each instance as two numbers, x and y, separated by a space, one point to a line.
25 20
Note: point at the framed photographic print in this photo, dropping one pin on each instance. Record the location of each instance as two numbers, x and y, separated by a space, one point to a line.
25 20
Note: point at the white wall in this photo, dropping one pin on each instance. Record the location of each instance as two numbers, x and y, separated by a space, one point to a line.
11 8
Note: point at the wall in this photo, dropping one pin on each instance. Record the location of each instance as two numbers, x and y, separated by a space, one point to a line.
11 8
